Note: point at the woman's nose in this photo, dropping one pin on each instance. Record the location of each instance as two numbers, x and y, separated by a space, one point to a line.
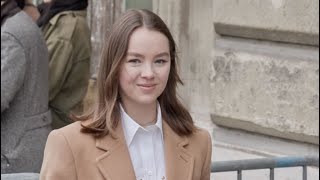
147 71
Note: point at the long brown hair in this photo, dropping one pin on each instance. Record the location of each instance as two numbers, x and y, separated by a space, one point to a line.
105 115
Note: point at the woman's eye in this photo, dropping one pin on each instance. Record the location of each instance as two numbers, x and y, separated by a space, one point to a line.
134 61
161 61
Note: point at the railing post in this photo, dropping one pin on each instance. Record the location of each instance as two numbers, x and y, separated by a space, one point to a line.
239 175
271 173
304 172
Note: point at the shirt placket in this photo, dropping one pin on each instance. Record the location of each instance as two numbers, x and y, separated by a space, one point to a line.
152 171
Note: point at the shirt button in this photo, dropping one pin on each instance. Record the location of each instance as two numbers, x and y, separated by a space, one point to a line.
150 173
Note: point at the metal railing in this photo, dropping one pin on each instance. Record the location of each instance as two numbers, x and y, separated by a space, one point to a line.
265 163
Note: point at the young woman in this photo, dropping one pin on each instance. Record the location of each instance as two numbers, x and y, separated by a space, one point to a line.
138 129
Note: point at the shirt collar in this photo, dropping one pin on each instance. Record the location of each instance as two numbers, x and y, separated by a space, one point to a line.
131 127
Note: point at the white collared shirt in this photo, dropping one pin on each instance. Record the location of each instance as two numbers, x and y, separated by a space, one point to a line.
146 147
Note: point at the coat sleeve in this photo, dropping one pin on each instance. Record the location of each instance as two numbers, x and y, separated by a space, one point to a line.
13 68
206 170
60 64
58 160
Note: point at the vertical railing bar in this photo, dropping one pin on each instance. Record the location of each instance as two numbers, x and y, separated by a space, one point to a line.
304 172
271 174
239 175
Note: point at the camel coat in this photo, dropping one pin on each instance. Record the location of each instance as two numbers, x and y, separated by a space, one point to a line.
72 155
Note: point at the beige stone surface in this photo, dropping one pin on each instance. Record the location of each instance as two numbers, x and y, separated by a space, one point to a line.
262 86
266 87
292 21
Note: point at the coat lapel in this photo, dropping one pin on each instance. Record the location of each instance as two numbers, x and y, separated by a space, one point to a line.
115 163
179 162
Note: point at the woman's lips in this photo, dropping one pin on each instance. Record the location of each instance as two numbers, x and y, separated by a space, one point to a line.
147 87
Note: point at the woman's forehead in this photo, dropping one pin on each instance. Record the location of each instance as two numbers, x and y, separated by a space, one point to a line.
144 40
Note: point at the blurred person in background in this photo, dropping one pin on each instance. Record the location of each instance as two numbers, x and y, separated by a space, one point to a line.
25 117
65 29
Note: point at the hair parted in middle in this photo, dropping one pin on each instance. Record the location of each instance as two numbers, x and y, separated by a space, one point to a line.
105 115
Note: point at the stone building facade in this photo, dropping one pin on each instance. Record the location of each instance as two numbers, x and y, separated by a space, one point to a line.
251 65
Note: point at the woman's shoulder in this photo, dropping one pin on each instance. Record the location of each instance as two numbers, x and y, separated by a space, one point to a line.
70 128
200 137
201 133
72 133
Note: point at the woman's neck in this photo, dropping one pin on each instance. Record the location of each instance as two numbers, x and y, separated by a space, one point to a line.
143 114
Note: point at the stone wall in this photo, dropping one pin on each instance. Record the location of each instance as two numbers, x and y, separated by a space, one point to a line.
251 65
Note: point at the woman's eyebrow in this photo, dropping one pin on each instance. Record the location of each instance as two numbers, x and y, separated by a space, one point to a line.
162 55
135 54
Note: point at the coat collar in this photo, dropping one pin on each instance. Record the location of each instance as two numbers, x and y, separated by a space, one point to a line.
115 163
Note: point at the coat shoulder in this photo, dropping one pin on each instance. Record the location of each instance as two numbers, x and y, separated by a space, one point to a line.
73 135
199 141
200 134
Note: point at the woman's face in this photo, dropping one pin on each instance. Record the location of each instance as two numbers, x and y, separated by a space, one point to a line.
145 70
